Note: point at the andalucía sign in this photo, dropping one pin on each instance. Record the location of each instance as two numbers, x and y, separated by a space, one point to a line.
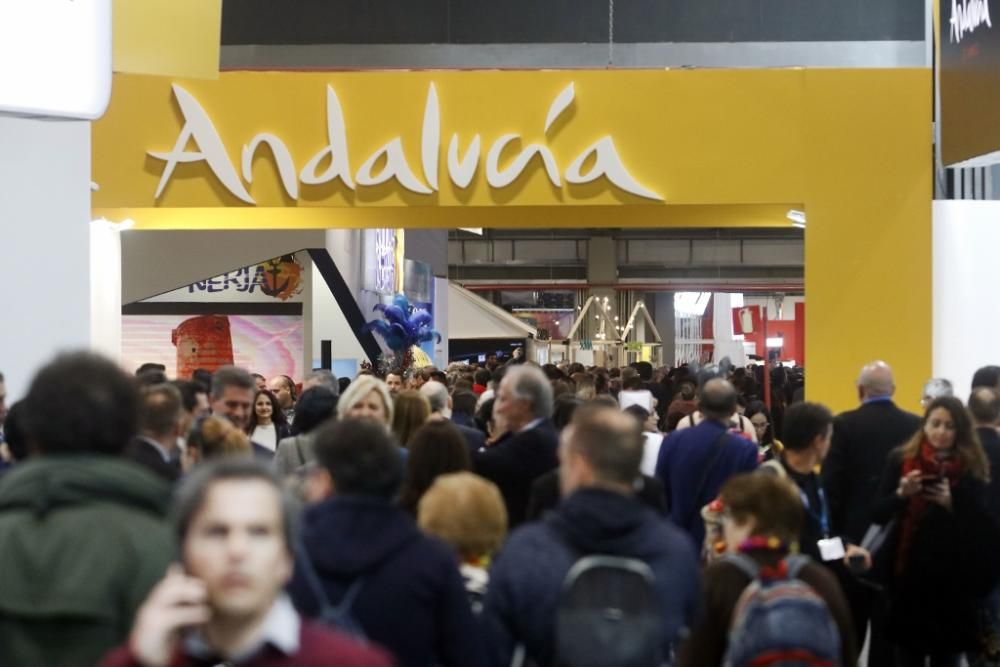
504 164
970 80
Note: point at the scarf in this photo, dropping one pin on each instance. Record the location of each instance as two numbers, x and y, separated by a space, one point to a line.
927 461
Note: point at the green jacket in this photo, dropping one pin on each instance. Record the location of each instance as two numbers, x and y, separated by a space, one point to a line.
82 541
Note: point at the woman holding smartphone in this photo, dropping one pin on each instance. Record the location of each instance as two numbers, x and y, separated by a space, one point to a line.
939 559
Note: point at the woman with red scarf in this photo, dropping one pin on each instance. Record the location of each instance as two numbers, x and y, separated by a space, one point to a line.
940 558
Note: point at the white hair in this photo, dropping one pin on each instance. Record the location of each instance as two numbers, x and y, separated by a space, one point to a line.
529 383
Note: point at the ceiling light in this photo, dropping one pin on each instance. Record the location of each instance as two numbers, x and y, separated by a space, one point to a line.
798 218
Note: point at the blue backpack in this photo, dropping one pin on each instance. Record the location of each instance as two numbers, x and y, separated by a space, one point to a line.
337 616
780 622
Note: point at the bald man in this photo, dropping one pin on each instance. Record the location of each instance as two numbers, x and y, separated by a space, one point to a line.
695 462
862 440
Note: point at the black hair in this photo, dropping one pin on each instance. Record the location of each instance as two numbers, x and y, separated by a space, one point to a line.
362 458
645 370
203 376
803 422
151 378
343 383
14 434
81 402
278 417
759 408
984 404
987 376
564 409
315 406
150 366
484 415
483 377
189 392
463 403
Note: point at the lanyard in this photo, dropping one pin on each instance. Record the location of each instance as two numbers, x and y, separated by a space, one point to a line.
824 515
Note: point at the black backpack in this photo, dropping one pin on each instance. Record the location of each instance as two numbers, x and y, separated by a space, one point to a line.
609 615
339 616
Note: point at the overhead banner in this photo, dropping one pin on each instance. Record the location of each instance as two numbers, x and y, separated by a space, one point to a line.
969 79
433 138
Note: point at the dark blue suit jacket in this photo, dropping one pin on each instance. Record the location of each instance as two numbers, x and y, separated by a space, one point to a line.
684 456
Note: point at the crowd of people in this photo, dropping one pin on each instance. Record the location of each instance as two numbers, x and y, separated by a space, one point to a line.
495 514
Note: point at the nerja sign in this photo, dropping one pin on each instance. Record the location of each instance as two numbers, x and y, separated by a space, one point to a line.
502 166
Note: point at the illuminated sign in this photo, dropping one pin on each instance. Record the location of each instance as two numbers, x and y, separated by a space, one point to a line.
56 57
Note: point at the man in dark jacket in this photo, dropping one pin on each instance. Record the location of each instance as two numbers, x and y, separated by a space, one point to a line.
524 402
862 440
984 405
694 463
599 459
411 598
82 531
437 395
160 419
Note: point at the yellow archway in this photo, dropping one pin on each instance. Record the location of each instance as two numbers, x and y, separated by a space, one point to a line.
724 148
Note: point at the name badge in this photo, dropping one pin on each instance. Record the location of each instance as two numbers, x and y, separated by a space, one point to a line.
831 549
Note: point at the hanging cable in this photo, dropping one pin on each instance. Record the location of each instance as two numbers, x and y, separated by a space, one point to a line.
611 32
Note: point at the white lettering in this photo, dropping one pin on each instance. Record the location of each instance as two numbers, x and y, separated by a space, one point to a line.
286 168
606 163
968 16
198 126
461 169
431 144
336 148
396 167
498 178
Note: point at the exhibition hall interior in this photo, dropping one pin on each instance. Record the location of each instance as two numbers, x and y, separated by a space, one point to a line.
532 333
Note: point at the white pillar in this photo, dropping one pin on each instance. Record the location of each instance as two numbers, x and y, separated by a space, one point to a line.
45 241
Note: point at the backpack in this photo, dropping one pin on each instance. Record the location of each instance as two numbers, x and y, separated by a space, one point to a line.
609 614
339 616
780 622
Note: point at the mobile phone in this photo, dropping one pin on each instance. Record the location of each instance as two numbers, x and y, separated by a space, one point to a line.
856 563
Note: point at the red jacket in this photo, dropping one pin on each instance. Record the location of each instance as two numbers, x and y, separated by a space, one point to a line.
318 647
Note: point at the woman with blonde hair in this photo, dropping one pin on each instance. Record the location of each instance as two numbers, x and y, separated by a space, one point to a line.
467 513
366 397
214 437
410 411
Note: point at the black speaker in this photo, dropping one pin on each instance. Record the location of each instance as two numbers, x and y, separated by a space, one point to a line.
326 354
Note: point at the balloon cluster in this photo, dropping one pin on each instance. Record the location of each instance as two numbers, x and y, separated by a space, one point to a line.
400 327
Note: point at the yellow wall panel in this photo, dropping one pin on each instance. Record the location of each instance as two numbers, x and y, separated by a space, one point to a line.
167 37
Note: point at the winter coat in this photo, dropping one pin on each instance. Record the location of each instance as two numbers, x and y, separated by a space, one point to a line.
413 599
527 577
684 456
951 565
82 542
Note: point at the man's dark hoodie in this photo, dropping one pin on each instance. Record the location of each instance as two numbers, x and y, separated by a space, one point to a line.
412 601
527 577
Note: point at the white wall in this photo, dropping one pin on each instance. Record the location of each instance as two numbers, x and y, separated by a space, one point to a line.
329 323
966 303
44 238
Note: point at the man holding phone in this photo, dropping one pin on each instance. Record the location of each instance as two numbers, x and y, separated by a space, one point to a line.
224 602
